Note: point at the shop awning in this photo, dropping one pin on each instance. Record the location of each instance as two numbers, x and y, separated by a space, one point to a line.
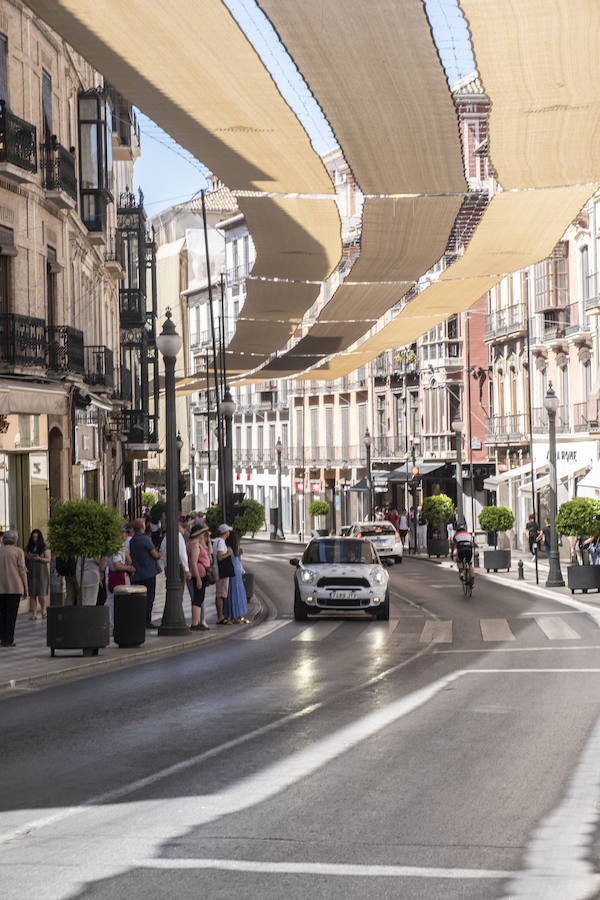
589 486
404 473
492 483
380 482
32 399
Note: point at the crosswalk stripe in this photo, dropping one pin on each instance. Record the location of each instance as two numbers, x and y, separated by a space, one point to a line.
261 631
557 630
437 631
377 632
496 630
317 632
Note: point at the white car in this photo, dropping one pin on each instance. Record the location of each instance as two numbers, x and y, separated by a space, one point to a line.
384 537
340 574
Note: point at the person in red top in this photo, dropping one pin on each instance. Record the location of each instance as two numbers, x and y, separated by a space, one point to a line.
392 517
462 542
199 562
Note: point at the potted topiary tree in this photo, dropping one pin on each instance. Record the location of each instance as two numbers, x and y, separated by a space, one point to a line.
580 518
437 509
317 509
494 519
81 530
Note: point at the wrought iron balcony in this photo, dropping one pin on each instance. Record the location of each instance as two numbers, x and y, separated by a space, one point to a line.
65 349
18 144
58 175
114 253
22 341
99 366
139 426
388 447
132 307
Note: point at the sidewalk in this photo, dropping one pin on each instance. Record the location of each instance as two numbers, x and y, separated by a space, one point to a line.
29 663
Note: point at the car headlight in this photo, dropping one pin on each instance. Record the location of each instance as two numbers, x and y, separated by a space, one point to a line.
306 576
377 576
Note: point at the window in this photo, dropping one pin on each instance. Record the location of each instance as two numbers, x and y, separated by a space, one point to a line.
5 284
46 107
3 67
284 437
585 272
381 428
552 279
400 408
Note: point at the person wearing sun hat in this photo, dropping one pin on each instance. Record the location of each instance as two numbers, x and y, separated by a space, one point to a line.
198 550
220 552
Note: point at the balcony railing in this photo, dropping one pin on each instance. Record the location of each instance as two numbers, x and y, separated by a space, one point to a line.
113 251
327 457
388 447
504 322
22 341
580 417
238 273
18 144
508 429
65 349
540 424
139 426
58 170
99 366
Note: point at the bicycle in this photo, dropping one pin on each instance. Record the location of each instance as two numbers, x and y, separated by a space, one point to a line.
465 578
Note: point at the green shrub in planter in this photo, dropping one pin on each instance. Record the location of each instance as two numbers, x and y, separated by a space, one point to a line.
579 517
249 519
496 518
148 499
437 509
318 508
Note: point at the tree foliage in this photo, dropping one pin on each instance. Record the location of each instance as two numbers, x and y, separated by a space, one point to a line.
496 518
249 519
437 509
148 498
579 517
157 511
318 508
214 517
84 528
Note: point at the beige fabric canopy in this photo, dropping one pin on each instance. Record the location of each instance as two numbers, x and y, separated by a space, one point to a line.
540 66
192 70
402 237
259 338
375 72
297 239
269 301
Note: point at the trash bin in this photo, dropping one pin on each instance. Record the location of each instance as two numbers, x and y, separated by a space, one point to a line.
130 615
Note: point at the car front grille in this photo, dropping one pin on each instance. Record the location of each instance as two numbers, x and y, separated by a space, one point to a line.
333 582
351 601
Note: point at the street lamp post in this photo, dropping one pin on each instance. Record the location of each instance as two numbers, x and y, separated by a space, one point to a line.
367 442
457 428
193 476
180 491
173 620
227 411
279 448
555 578
413 490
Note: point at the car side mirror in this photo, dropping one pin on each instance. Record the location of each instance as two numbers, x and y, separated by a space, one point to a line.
295 562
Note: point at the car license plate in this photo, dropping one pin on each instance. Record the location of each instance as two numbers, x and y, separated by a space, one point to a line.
340 595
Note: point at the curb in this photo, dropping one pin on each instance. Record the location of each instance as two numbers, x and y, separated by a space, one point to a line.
105 664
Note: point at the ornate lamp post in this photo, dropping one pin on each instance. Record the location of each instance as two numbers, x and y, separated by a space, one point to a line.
555 578
180 488
457 428
413 489
279 448
227 411
367 442
173 621
193 475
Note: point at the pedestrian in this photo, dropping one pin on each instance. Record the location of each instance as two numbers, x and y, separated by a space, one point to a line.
130 532
144 558
534 535
546 533
421 532
403 526
199 566
594 549
13 586
236 604
119 569
223 570
37 560
89 582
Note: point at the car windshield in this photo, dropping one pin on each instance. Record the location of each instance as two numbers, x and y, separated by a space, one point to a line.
374 530
346 551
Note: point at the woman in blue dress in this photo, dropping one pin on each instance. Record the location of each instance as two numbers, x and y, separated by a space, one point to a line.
236 604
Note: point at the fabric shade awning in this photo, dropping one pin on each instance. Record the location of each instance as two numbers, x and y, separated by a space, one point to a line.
380 483
34 399
400 475
589 486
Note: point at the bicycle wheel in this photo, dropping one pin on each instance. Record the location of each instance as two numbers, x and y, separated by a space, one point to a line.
466 583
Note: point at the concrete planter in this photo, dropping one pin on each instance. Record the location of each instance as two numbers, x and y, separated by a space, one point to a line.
77 627
583 578
437 547
496 559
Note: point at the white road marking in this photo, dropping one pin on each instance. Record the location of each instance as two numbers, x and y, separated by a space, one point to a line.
538 591
261 631
437 632
378 633
307 868
496 630
549 612
523 650
317 632
557 630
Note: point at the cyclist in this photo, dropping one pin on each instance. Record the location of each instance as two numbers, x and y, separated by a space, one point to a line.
462 541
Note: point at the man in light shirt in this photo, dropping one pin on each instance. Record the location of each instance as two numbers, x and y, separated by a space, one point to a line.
183 557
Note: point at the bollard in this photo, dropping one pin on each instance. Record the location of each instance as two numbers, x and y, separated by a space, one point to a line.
476 558
520 576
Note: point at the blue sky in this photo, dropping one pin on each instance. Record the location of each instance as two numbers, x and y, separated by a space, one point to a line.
169 174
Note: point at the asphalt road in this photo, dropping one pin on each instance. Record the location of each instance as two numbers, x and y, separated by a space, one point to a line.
450 753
